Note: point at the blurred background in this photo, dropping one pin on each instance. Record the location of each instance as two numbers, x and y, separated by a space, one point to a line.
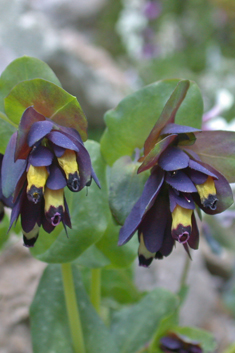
101 50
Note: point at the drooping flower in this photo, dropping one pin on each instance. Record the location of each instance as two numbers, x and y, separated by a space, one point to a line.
179 183
180 344
41 159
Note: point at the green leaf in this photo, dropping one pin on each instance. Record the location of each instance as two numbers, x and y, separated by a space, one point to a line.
6 131
119 256
125 187
129 124
89 215
22 69
206 339
48 317
119 285
164 327
92 258
217 148
168 114
49 100
134 327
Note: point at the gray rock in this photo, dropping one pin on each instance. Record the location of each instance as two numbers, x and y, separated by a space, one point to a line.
20 274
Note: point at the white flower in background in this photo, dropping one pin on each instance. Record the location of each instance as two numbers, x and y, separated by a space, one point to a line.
212 119
130 25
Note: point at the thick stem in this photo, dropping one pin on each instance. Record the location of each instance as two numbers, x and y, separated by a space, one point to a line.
72 309
96 288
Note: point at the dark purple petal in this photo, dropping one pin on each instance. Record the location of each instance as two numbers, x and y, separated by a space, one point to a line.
59 151
94 176
131 224
182 199
39 130
192 154
199 167
150 192
223 193
30 215
154 224
47 226
180 181
152 158
171 343
17 207
56 179
186 248
41 156
19 186
151 189
66 215
71 133
168 241
173 158
193 241
177 129
29 117
11 171
8 202
62 140
197 178
84 166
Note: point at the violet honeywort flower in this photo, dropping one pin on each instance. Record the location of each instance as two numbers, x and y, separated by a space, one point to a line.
178 343
179 183
41 159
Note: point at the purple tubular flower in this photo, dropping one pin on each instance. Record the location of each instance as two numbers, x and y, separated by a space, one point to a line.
178 181
41 159
178 343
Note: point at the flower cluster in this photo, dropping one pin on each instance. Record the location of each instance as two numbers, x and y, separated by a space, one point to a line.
42 158
178 184
178 343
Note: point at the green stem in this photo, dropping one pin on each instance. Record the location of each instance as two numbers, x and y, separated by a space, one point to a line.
72 309
96 288
184 274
